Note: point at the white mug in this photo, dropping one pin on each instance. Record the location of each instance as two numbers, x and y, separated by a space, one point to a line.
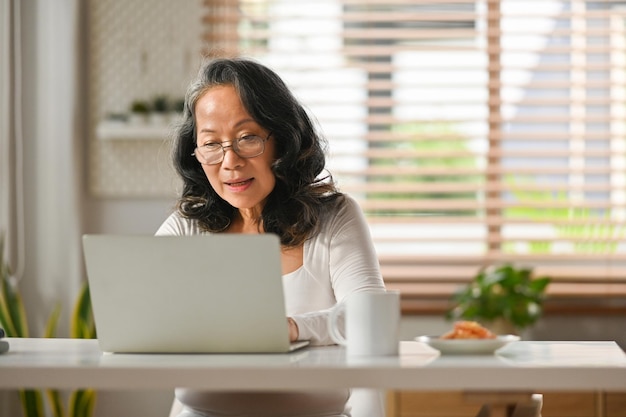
372 321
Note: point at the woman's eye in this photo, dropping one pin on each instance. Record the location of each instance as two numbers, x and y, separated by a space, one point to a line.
211 146
247 138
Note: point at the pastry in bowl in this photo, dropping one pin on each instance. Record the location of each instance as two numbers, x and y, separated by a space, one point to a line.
468 338
468 330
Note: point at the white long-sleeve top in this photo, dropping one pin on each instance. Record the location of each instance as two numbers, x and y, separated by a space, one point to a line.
338 261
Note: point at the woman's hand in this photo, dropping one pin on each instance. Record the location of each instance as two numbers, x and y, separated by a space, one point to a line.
293 329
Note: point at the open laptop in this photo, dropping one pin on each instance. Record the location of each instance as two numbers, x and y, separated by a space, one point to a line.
219 293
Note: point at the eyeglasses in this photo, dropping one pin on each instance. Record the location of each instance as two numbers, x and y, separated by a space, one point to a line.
212 153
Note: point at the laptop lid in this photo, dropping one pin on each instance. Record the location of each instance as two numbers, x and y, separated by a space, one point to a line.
219 293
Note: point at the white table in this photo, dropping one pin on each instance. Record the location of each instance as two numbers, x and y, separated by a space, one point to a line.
521 367
525 365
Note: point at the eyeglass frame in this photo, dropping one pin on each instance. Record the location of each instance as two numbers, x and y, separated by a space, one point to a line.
232 147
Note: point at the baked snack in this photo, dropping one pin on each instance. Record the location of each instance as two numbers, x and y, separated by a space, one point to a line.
468 330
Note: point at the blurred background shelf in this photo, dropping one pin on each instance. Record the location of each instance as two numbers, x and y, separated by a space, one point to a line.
115 130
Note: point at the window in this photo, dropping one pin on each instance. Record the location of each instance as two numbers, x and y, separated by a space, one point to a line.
472 132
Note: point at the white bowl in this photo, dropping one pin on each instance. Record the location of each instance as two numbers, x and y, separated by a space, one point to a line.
467 346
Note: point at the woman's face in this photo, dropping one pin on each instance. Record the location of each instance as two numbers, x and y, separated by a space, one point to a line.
221 117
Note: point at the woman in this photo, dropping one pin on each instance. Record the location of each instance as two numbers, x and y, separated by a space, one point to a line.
250 159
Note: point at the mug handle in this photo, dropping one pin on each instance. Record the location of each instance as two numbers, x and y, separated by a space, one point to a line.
333 329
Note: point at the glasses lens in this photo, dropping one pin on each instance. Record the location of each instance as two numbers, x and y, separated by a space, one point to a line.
246 147
249 146
209 154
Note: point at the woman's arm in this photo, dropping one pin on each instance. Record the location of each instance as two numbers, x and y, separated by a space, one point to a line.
343 256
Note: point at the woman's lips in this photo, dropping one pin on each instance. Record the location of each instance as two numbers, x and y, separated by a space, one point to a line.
239 185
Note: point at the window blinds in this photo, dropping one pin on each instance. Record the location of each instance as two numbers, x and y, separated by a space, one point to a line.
471 132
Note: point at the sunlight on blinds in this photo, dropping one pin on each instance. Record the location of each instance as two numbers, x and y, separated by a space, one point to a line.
471 132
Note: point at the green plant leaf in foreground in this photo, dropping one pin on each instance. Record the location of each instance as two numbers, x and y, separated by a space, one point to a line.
82 324
14 321
12 312
32 403
54 399
53 321
82 403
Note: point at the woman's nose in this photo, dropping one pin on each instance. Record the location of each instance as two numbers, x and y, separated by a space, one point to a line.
231 159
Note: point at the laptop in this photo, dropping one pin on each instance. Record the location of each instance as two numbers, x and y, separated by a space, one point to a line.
219 293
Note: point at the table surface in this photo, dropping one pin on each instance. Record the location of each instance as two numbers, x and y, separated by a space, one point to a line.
519 366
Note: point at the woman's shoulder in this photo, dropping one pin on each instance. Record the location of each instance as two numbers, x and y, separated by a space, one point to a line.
341 211
346 205
178 225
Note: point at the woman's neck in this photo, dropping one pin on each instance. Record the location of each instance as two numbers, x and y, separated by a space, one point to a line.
246 222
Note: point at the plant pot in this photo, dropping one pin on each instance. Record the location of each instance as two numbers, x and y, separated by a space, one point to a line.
137 119
159 119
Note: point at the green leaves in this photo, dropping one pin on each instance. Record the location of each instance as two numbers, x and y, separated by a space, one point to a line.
32 403
501 292
82 403
82 324
12 313
14 321
54 399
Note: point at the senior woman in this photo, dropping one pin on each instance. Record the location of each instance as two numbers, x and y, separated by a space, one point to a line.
252 161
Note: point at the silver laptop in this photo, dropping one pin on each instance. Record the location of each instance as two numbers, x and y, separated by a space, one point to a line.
220 293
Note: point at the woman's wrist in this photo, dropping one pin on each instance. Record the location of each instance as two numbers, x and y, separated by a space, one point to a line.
293 329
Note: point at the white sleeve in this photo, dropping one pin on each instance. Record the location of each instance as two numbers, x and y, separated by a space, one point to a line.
176 225
353 260
352 266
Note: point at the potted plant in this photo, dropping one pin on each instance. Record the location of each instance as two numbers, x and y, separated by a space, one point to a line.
139 110
177 108
179 105
504 298
13 320
160 108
